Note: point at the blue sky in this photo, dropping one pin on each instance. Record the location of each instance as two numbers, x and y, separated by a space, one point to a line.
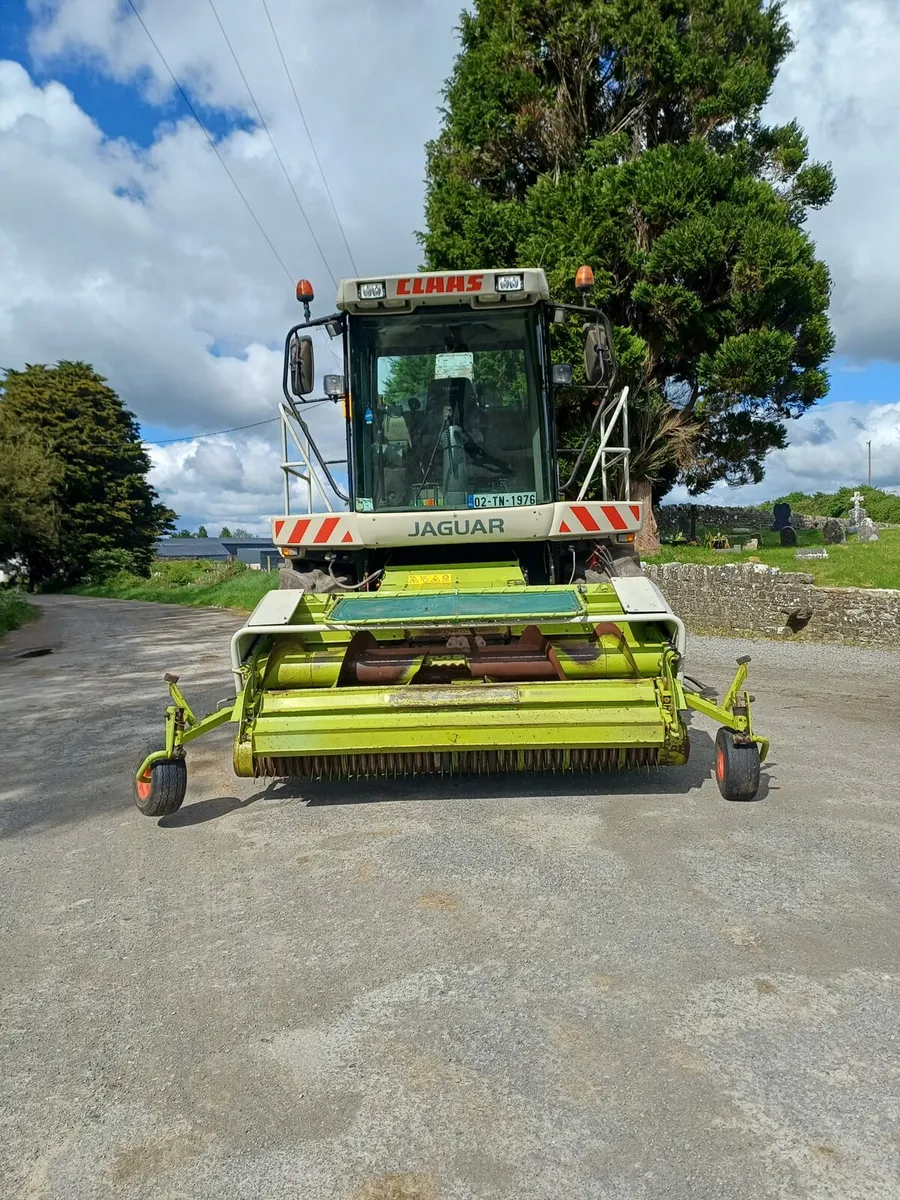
126 244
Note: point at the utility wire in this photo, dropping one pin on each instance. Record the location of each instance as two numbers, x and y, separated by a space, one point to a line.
209 138
191 437
194 437
236 186
262 122
311 141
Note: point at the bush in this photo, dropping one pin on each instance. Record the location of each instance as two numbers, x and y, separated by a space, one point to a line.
220 572
14 609
175 573
880 506
104 565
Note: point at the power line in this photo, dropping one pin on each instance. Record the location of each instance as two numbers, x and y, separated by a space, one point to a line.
194 437
262 122
311 141
209 138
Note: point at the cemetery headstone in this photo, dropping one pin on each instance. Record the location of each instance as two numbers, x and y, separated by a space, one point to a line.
788 535
782 517
868 531
833 532
751 544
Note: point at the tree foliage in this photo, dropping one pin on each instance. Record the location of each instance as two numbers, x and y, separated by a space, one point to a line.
627 134
29 502
91 496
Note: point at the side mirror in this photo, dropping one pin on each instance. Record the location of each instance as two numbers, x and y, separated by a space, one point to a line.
596 354
302 364
334 386
561 375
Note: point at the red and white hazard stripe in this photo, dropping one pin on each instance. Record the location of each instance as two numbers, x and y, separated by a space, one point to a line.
598 517
319 529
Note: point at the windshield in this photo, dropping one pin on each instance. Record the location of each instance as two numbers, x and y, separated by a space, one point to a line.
448 410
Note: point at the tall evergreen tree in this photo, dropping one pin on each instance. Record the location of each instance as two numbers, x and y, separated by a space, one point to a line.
627 134
99 470
29 505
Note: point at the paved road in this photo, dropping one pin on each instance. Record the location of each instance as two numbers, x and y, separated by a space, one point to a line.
534 989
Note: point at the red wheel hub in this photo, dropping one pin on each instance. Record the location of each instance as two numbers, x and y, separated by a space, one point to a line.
720 763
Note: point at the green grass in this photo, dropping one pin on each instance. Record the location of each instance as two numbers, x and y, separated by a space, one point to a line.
853 564
193 582
14 610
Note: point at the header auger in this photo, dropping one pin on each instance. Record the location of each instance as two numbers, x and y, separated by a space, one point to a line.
475 602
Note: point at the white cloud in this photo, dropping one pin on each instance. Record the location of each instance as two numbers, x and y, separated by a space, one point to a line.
841 83
236 479
827 451
145 261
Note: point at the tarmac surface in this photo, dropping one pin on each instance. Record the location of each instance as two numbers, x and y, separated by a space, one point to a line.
526 987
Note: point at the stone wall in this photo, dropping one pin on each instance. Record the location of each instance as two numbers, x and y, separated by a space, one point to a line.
751 598
673 517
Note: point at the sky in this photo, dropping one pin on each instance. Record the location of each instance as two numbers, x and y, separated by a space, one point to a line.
123 241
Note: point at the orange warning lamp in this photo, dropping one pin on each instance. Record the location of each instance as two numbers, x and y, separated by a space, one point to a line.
305 295
584 280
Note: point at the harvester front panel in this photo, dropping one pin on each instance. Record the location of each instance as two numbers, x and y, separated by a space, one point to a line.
477 672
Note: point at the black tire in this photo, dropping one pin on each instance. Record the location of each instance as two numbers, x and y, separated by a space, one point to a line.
163 793
737 767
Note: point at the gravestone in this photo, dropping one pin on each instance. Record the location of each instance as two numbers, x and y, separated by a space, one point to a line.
751 544
788 535
833 532
817 552
868 531
782 517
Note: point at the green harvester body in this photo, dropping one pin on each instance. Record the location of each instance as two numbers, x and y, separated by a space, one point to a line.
476 604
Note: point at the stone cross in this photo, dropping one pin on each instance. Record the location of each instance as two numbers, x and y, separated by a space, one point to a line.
858 511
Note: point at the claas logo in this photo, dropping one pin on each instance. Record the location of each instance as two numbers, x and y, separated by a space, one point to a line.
427 285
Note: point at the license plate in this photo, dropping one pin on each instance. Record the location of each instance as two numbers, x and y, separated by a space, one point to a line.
501 499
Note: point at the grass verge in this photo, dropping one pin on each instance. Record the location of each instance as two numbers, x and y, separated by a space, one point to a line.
193 582
852 564
14 610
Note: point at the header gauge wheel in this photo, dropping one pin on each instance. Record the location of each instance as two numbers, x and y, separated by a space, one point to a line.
737 767
161 790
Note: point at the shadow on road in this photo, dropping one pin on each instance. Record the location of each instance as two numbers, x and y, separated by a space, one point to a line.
204 810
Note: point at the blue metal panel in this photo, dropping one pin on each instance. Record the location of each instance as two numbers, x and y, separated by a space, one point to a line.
495 606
